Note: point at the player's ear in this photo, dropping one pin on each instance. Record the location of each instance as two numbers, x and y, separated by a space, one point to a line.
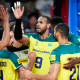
48 25
57 34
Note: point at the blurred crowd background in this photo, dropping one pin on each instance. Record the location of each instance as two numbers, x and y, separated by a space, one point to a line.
69 10
32 10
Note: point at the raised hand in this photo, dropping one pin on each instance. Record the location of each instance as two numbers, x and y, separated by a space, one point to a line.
18 13
4 14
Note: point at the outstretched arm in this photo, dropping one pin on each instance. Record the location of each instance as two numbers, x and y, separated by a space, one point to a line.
18 32
6 37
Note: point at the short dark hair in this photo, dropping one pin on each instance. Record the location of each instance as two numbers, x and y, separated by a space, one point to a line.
56 20
48 19
63 28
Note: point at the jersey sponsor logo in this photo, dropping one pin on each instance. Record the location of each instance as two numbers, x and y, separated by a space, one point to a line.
49 45
18 60
79 39
53 57
24 60
3 64
41 51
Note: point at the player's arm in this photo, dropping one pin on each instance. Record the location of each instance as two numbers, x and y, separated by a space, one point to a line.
74 39
6 37
71 63
18 32
20 69
53 74
32 57
54 70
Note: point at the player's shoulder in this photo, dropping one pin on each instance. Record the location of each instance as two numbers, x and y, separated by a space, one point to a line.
72 35
5 54
59 50
32 34
51 37
13 55
56 51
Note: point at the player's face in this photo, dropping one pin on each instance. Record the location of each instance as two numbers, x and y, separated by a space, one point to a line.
11 39
41 26
10 45
55 35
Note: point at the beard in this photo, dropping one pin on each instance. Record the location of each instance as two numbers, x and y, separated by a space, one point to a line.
42 31
9 47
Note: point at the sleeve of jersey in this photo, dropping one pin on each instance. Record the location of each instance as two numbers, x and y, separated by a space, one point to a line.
15 61
74 39
28 35
55 57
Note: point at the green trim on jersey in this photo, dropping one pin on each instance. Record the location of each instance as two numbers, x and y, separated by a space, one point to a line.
71 37
5 54
63 49
36 36
74 39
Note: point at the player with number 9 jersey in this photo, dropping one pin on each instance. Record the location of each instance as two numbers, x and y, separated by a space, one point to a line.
42 48
60 55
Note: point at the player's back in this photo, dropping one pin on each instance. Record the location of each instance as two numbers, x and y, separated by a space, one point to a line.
8 65
69 51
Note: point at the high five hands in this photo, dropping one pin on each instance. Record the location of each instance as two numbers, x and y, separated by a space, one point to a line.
18 13
4 14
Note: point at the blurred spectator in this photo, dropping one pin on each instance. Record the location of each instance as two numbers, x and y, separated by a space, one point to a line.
32 19
43 7
29 6
6 5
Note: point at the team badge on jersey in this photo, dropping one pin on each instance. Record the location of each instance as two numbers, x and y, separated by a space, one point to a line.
36 43
53 57
49 45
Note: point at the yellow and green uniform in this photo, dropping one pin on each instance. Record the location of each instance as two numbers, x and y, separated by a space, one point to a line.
43 49
74 39
9 62
60 55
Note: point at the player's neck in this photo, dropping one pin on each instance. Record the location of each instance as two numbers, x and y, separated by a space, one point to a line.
17 44
6 48
45 35
63 41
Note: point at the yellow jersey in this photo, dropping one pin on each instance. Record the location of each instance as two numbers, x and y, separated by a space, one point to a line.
9 62
60 55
